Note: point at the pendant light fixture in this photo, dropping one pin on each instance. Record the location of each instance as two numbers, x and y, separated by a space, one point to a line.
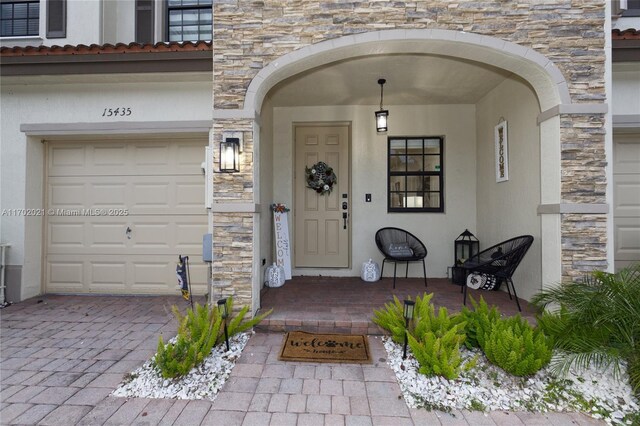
382 114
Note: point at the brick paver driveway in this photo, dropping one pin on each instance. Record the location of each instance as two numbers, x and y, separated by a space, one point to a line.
63 355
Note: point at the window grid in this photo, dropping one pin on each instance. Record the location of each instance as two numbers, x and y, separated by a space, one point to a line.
415 174
189 20
19 18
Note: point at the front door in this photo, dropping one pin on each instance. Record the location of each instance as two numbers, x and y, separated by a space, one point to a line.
322 221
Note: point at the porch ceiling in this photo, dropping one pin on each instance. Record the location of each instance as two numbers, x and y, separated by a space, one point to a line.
411 80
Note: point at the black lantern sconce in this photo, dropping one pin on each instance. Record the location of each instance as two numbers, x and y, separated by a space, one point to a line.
230 155
382 115
222 308
409 305
465 246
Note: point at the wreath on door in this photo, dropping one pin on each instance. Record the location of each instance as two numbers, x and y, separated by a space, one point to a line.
320 178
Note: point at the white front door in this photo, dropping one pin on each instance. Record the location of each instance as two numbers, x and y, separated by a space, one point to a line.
321 228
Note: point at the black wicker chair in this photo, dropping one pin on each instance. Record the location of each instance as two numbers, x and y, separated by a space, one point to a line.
400 246
499 261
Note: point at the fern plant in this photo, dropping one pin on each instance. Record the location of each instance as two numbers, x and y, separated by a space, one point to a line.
434 339
438 352
199 330
478 321
516 347
391 318
596 321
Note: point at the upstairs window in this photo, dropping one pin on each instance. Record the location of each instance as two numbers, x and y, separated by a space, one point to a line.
415 174
19 18
633 8
189 20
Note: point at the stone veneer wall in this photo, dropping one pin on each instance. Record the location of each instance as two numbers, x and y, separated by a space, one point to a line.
233 231
248 35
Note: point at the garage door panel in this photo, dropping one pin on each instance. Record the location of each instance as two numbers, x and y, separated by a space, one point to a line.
66 275
152 236
627 194
108 155
110 158
108 235
66 195
151 195
140 195
627 232
66 235
108 276
136 274
107 195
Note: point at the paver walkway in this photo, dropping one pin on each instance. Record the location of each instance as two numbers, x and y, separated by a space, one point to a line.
61 358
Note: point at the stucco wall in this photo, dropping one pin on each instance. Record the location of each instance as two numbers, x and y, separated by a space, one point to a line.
508 209
369 175
41 101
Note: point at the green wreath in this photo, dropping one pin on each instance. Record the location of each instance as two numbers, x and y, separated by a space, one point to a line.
320 178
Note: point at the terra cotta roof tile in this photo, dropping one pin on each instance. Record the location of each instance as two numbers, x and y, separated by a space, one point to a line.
97 49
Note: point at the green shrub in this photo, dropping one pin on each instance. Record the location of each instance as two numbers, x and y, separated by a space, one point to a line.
596 321
391 318
436 340
198 332
433 338
516 347
478 321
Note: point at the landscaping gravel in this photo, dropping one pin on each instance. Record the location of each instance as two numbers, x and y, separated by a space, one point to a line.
202 382
486 387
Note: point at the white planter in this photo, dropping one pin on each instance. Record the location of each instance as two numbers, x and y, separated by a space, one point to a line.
370 271
275 276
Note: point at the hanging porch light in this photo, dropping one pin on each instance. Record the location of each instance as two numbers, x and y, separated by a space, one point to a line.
382 114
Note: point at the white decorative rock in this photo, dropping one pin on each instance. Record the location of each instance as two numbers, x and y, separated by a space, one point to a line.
370 271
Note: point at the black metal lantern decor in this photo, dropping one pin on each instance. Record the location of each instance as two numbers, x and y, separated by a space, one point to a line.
465 246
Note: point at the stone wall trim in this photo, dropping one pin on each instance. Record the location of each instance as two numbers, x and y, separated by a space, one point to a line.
574 109
563 208
235 208
235 114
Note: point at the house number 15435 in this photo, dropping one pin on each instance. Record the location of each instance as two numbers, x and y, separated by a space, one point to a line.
116 112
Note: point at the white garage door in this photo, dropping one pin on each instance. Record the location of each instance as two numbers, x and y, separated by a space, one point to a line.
120 212
626 180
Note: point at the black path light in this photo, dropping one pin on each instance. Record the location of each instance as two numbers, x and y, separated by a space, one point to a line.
408 316
383 114
222 307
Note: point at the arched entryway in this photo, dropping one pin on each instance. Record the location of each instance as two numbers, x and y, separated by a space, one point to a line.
521 72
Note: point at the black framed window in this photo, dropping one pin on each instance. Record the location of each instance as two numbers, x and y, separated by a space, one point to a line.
19 18
415 174
189 20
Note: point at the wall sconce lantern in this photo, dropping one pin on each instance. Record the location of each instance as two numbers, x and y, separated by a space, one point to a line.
383 114
230 155
408 316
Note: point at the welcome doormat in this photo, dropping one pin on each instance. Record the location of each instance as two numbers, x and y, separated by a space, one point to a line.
314 347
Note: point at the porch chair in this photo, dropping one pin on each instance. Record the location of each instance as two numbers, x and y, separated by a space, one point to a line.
500 262
398 245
